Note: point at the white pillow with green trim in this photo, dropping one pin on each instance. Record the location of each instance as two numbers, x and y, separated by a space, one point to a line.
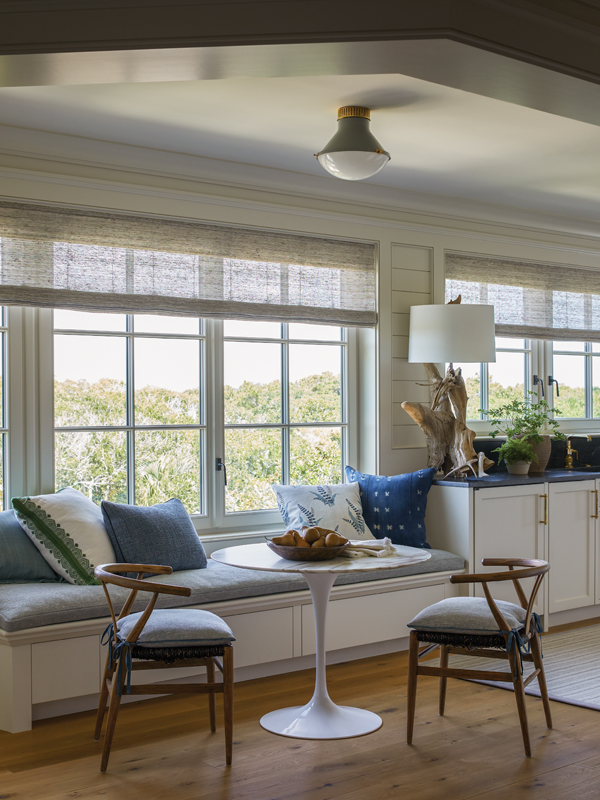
68 530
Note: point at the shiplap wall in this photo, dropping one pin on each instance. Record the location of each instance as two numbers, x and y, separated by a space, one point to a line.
412 278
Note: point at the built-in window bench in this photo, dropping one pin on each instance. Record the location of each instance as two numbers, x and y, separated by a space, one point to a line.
51 660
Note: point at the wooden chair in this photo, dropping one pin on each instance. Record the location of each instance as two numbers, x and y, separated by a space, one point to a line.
516 643
154 655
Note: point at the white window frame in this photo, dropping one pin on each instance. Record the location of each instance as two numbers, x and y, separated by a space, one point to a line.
541 364
30 397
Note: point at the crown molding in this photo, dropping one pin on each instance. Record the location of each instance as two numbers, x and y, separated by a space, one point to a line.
239 186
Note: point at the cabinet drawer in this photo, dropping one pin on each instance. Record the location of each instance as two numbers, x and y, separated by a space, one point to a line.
67 668
262 636
354 621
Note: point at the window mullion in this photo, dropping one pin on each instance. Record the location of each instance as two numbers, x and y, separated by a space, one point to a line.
130 410
216 432
589 401
545 352
285 405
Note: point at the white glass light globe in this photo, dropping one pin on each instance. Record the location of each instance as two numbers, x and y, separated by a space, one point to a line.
353 165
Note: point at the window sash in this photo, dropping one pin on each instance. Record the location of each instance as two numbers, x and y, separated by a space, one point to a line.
212 427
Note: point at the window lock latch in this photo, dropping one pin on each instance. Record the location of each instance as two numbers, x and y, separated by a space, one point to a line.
537 380
552 380
220 465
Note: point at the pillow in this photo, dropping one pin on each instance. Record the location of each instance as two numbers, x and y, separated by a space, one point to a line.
160 534
68 530
178 627
20 560
395 506
335 506
467 615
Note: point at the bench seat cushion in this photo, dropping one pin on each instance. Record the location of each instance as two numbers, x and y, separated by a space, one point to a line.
30 605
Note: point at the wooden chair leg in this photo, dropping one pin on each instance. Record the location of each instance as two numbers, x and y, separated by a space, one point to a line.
411 694
103 700
536 652
228 702
520 698
443 681
212 706
113 711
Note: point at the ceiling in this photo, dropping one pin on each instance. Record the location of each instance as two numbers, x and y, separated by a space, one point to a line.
443 140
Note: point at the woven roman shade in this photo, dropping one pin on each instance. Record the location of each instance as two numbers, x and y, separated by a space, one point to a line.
93 260
531 300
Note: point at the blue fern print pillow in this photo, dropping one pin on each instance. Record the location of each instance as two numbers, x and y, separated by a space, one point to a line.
334 506
395 506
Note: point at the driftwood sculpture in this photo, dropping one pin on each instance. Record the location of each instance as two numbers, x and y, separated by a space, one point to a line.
449 441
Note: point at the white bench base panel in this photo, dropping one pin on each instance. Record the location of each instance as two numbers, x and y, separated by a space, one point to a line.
57 669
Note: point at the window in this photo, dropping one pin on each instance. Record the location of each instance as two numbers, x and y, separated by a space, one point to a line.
144 404
500 382
548 339
569 372
284 409
129 414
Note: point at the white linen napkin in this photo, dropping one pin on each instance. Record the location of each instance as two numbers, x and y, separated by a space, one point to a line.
376 548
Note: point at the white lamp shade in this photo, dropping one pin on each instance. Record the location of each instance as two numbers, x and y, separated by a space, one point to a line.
447 333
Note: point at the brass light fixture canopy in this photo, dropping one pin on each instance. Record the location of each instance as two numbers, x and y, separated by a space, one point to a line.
353 153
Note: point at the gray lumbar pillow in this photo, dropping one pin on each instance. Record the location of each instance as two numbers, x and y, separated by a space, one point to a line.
467 615
160 534
178 627
20 560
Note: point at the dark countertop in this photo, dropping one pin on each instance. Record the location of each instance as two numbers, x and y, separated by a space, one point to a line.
504 479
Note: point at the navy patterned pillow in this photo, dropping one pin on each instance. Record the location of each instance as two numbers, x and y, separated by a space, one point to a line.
395 506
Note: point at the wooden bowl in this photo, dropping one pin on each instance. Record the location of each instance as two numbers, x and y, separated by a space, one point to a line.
305 553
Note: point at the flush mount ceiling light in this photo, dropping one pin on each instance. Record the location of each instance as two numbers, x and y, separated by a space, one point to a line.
353 153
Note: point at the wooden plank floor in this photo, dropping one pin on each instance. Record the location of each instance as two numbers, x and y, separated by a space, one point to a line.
163 749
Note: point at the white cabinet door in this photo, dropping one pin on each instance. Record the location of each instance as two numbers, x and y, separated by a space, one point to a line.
595 512
571 538
509 522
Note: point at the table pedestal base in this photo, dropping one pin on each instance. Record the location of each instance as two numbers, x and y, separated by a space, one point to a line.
321 719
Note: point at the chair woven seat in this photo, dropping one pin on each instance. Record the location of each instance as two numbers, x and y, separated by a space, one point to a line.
470 641
171 654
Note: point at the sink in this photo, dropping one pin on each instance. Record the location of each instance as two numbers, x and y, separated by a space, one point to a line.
586 468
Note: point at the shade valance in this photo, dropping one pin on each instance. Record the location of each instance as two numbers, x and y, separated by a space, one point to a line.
94 260
531 300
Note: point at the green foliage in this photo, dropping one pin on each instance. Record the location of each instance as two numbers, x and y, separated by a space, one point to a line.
513 450
168 462
528 418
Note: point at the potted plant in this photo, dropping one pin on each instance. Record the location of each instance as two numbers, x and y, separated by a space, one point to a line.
518 454
527 419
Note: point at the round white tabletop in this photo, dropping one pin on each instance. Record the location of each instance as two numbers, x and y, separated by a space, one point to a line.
320 718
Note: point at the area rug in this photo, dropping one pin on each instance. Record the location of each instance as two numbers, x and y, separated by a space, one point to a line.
571 664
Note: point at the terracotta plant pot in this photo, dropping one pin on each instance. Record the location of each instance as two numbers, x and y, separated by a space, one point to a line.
542 451
518 468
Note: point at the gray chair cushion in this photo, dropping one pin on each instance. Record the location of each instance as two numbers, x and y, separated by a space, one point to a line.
31 605
160 534
467 615
178 627
20 560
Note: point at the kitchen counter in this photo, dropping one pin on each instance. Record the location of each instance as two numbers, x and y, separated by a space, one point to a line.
504 479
